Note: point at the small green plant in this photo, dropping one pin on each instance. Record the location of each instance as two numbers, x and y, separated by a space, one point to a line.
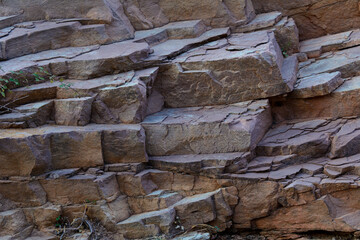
18 78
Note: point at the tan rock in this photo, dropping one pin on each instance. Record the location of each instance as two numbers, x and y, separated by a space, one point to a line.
74 190
182 130
125 144
106 12
315 215
206 75
43 217
23 193
12 222
147 224
315 18
73 111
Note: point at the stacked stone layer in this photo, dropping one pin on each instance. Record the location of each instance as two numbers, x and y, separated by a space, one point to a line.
152 119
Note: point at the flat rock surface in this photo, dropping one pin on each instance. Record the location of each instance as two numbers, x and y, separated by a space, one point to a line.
344 61
242 125
317 85
227 71
315 47
342 102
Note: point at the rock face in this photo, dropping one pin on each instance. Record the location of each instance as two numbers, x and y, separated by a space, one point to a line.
316 17
155 119
217 73
170 131
148 14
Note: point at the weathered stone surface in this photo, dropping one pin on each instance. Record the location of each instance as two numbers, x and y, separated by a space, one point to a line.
196 130
316 18
81 62
12 222
299 218
226 72
50 35
23 194
307 139
30 94
317 85
287 35
80 188
124 144
109 12
261 21
174 30
36 151
73 111
174 47
29 115
344 61
315 47
195 164
340 103
154 201
44 216
345 143
126 103
255 201
147 224
149 14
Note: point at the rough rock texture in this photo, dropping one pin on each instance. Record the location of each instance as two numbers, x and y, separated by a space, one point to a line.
316 18
197 130
217 73
154 13
202 118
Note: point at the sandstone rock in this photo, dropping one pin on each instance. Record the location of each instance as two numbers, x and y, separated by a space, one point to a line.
23 193
73 111
182 130
317 85
108 186
43 217
125 167
315 18
134 185
80 62
71 148
345 142
124 144
255 201
174 30
74 190
145 14
154 201
30 115
50 35
202 76
125 104
12 222
147 224
344 61
119 27
315 215
287 35
30 94
54 147
28 155
340 103
196 209
174 47
315 47
300 139
261 21
193 164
